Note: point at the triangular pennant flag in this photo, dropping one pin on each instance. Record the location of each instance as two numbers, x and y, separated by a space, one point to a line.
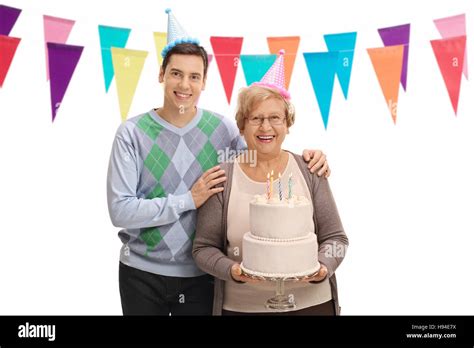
160 43
8 46
290 44
128 65
8 17
255 66
227 53
387 63
450 56
322 71
394 36
453 26
111 37
56 30
63 60
344 44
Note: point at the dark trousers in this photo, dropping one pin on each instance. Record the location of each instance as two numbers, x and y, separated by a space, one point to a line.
326 308
144 293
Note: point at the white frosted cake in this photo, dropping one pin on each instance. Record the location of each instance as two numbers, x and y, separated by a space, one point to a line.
281 241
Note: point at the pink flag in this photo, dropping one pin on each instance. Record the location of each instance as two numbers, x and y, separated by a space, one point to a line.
450 55
56 30
453 26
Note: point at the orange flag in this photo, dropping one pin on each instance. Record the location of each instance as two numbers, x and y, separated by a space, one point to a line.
387 63
290 44
450 55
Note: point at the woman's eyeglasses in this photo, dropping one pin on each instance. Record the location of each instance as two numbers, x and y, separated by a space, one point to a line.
274 120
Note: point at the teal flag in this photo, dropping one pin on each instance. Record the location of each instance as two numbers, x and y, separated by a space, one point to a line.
322 71
343 43
255 66
111 37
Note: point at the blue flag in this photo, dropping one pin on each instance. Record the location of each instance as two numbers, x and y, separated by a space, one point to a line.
343 43
322 70
255 66
111 37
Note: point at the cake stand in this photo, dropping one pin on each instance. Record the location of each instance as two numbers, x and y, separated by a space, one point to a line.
280 301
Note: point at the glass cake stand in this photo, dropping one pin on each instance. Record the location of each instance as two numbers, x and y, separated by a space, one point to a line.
280 301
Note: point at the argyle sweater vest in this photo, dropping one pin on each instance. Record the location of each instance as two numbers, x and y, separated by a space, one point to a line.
168 161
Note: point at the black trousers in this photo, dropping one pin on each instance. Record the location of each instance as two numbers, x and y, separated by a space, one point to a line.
144 293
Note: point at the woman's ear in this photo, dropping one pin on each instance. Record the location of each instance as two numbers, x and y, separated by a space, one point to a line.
241 131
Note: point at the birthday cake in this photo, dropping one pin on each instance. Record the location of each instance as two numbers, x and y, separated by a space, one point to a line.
281 241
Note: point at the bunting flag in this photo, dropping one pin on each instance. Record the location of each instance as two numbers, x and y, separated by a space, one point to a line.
63 60
160 43
322 71
8 46
227 53
394 36
454 26
290 44
388 63
111 37
8 17
255 66
344 44
56 30
128 65
450 56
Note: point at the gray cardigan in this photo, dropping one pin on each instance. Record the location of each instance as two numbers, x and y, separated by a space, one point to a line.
210 243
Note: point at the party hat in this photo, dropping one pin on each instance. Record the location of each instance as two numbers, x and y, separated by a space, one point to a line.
275 77
176 34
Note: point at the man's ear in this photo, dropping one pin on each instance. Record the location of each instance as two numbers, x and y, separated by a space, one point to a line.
204 83
161 75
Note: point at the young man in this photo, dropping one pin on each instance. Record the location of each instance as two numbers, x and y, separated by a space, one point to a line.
163 166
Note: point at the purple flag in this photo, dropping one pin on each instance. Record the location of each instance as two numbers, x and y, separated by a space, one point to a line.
394 36
8 17
62 63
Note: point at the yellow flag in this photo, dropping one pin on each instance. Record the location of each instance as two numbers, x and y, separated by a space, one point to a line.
128 65
160 43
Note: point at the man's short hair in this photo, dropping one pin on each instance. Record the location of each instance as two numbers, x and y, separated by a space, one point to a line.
187 49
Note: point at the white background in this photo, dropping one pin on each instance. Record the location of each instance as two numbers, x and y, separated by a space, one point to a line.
404 192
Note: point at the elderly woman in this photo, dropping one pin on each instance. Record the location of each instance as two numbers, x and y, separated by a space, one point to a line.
264 116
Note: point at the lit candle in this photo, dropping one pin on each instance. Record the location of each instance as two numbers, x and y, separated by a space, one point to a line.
290 183
268 185
279 187
271 184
